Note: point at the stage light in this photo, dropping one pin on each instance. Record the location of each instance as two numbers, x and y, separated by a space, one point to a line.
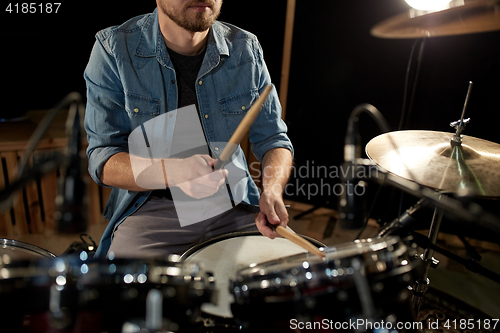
429 5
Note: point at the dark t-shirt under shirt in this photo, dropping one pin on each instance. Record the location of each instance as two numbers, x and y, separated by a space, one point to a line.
186 70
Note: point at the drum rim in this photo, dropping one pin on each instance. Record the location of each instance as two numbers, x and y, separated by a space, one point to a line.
26 246
340 251
266 270
197 247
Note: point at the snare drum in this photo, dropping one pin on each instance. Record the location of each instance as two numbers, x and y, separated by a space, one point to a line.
225 255
15 258
369 276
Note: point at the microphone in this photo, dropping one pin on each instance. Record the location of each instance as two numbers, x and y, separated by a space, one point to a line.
71 213
402 222
350 205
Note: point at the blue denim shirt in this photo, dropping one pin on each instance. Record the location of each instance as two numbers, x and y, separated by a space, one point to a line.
130 80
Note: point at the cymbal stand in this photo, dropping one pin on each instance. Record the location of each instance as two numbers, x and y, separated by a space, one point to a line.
422 284
460 124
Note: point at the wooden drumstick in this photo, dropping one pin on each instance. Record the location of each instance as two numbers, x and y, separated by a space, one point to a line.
242 129
293 237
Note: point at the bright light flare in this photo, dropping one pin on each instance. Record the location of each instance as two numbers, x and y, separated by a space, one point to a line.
429 4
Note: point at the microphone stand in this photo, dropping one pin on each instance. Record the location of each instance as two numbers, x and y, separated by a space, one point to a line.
351 212
349 216
39 170
71 213
402 222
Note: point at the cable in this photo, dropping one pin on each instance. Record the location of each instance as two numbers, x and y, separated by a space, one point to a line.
407 79
417 75
405 94
373 112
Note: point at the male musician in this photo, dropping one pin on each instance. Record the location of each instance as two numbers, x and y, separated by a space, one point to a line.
152 66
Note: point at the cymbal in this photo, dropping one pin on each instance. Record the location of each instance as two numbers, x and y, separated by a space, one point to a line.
472 17
427 158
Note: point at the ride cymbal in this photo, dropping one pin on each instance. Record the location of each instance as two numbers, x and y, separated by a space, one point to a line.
428 158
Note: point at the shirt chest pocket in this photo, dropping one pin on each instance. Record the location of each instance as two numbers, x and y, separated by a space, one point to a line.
234 108
137 105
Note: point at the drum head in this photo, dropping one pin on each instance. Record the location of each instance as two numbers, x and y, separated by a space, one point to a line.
225 255
12 251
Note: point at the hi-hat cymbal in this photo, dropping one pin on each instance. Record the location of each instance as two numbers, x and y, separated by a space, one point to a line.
427 158
472 17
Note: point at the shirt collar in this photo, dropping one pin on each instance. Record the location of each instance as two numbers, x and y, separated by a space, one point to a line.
148 39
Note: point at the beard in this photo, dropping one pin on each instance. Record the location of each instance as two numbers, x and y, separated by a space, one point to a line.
197 21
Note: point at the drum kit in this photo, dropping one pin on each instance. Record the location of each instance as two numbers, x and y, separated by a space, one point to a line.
247 282
77 293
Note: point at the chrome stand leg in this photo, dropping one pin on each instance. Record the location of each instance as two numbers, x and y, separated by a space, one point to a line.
422 284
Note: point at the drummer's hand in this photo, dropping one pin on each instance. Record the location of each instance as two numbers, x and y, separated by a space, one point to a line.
195 176
272 210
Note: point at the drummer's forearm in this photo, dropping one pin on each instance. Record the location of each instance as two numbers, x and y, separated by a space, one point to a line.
276 167
118 172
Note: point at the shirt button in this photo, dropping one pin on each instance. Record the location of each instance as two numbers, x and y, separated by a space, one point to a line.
243 108
170 115
206 116
216 148
136 110
173 81
200 82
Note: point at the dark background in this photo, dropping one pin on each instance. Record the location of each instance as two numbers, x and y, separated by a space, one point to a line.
44 55
336 64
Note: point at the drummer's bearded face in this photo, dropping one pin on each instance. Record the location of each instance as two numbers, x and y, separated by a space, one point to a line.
192 15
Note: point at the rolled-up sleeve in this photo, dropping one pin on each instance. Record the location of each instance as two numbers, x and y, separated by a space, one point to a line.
269 130
106 121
